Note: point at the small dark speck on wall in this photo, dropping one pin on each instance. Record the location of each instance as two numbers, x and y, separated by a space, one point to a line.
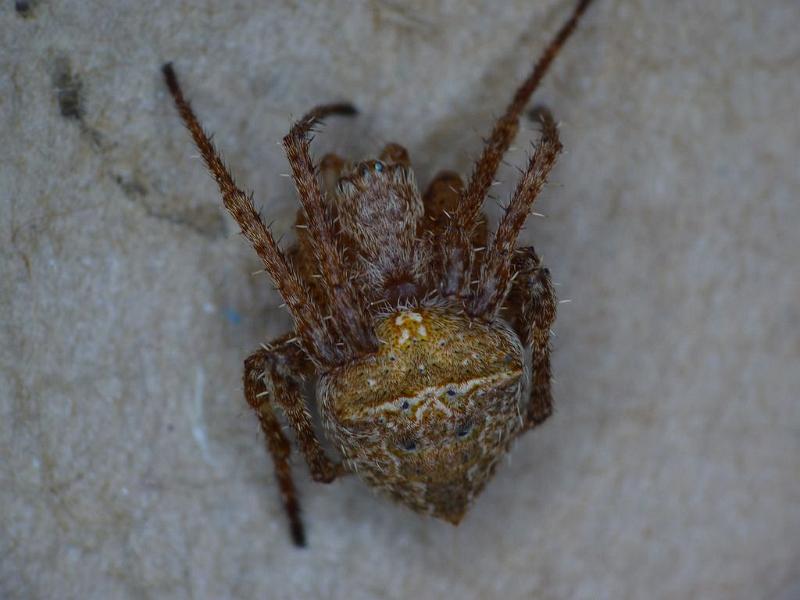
24 8
68 88
131 187
234 317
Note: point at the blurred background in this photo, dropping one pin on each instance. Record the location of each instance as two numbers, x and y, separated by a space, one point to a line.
130 466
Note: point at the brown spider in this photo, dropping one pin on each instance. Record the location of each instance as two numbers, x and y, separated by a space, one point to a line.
426 334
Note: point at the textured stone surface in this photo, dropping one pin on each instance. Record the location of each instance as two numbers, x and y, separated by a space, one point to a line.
130 466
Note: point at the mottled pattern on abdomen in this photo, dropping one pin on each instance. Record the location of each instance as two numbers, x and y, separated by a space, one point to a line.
427 417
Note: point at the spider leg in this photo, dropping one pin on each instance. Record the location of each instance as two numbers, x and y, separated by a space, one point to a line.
395 154
330 168
274 376
351 317
309 324
532 309
496 274
441 200
455 243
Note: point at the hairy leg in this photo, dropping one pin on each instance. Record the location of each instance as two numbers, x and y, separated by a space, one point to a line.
395 154
330 169
532 310
273 375
496 271
302 252
350 316
309 324
441 201
456 243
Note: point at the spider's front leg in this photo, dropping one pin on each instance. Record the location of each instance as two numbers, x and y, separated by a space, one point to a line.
532 310
274 375
454 244
350 315
441 200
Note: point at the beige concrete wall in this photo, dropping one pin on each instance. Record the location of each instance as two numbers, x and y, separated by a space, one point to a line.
130 466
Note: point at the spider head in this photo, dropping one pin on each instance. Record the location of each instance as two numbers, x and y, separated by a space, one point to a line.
371 177
378 208
392 164
426 418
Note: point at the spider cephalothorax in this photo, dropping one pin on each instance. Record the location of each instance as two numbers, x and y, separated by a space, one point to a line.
378 205
429 338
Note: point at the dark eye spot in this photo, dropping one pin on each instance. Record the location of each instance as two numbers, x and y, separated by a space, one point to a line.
378 166
464 428
409 444
451 392
405 405
23 8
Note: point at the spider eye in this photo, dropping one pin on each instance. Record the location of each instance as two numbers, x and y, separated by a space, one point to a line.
409 444
378 166
464 428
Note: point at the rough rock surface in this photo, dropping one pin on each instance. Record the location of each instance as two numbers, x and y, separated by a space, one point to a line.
130 466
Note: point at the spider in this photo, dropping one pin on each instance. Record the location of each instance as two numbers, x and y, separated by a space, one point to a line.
428 337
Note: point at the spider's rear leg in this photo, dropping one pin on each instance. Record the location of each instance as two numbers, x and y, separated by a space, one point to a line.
531 309
275 375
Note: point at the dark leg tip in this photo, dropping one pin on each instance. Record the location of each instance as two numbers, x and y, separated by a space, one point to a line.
540 113
346 109
169 75
298 535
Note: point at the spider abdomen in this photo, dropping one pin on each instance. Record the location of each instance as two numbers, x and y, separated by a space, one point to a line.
426 418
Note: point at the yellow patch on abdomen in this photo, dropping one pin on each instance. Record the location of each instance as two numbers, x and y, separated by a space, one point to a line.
409 325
